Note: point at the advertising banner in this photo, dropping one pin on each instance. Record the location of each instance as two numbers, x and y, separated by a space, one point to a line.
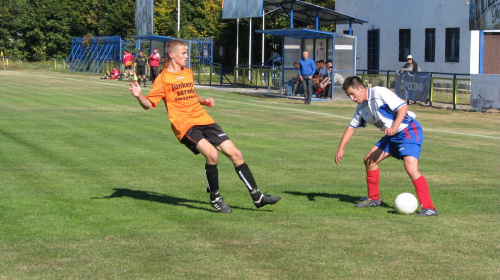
413 86
144 17
484 14
242 9
485 92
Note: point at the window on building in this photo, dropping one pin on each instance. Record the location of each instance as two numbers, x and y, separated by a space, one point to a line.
430 45
373 49
404 44
452 47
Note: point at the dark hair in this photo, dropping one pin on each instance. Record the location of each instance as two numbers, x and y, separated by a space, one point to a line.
352 81
329 60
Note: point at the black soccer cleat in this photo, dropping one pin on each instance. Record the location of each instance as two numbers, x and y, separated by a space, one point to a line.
266 199
221 206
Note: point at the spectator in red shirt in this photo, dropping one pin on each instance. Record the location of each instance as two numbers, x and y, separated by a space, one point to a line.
113 74
128 58
154 63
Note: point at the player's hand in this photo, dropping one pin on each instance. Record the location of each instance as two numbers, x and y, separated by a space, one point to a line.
135 89
338 156
209 102
390 131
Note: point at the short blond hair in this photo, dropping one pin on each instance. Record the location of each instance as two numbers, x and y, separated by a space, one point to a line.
172 46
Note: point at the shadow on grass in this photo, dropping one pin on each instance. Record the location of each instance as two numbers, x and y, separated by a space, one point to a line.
163 198
340 197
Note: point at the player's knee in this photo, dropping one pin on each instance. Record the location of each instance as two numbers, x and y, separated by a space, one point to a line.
368 161
235 155
212 157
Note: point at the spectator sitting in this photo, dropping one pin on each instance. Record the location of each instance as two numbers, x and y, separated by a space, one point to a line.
323 85
113 75
322 73
295 80
274 60
318 67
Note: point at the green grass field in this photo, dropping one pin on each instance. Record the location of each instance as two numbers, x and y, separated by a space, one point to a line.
94 187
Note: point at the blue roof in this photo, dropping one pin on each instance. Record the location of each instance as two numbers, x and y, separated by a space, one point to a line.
307 12
158 38
302 33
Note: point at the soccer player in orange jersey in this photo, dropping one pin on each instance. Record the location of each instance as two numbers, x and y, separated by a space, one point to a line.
194 127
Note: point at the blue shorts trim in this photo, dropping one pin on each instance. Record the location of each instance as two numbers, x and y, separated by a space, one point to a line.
408 142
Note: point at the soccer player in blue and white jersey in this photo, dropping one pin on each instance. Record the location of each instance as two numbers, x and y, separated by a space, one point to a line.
403 139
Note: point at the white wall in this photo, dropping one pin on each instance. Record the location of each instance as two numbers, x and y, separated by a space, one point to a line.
391 15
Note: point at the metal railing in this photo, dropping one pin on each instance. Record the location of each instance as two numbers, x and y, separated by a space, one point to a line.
244 75
258 76
208 74
11 59
448 88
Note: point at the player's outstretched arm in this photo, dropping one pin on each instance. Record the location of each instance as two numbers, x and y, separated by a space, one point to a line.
343 142
136 91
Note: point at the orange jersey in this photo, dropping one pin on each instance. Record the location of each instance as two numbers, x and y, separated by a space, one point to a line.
176 89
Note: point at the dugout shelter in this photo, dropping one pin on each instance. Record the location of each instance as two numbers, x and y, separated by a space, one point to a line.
322 45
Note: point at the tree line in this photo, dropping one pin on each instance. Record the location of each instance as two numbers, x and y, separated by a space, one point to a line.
38 30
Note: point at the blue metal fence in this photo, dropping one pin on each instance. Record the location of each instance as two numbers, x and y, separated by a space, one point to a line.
89 56
202 50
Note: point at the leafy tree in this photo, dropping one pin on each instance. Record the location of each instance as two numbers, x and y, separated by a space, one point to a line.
165 18
11 20
41 29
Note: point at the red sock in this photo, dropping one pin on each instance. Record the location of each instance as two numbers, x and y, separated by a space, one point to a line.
372 179
422 190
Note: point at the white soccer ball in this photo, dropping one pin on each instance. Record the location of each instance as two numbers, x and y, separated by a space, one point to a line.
406 203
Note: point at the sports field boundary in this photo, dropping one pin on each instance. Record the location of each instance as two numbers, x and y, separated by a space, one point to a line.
243 90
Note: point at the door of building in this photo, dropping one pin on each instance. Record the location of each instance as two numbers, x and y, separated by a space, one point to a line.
491 53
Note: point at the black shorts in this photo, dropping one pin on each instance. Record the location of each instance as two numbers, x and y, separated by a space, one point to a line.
128 67
212 132
141 71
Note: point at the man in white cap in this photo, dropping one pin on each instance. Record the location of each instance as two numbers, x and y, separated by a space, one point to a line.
410 65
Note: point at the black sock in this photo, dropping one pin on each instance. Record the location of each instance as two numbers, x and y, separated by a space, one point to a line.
212 176
246 176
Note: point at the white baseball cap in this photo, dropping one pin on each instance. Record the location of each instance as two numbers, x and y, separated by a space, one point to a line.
409 56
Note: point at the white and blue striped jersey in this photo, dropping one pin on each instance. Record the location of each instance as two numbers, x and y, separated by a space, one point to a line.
380 110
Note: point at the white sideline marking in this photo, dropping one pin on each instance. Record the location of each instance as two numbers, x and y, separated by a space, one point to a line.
344 117
461 133
260 105
69 79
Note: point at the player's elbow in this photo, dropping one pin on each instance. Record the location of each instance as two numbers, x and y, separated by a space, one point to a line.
146 104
